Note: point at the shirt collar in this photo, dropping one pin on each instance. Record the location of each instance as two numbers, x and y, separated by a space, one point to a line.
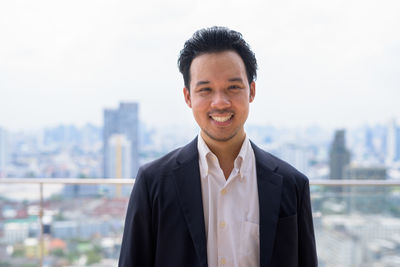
204 151
242 162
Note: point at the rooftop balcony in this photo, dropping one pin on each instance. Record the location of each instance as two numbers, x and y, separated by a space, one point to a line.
79 222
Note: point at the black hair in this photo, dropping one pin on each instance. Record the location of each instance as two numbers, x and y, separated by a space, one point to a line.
213 40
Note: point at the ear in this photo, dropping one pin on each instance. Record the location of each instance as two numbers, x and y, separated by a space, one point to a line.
252 91
186 94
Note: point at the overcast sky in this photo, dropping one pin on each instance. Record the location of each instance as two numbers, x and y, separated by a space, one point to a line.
334 63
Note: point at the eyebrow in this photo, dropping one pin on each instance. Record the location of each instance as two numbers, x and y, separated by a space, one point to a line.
236 79
201 83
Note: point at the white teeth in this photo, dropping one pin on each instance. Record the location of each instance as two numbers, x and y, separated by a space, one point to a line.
221 119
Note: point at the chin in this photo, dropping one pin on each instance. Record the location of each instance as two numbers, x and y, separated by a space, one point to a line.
219 137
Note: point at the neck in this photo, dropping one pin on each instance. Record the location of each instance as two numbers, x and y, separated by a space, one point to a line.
226 151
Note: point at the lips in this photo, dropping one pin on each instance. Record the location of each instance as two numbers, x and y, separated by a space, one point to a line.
221 117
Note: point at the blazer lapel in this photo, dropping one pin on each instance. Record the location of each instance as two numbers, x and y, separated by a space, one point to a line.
269 186
188 185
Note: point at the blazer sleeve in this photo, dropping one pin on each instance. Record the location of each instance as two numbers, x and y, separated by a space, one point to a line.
137 247
307 248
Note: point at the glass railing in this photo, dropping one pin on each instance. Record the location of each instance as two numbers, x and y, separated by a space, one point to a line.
79 222
357 223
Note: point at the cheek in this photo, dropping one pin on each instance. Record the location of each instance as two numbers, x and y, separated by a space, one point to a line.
199 105
200 111
242 103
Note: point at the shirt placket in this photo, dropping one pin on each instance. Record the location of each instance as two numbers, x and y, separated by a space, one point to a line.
225 221
221 227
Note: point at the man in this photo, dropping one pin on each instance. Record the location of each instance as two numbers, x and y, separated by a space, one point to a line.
220 200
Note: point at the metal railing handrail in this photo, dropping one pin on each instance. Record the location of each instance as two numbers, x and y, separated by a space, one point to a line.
348 182
66 181
116 181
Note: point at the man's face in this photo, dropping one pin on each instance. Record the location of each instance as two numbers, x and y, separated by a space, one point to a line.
219 95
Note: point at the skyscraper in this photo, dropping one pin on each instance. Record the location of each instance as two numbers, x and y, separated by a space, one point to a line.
393 142
122 122
3 152
339 155
119 155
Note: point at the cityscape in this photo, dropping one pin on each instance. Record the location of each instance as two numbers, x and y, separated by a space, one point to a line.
83 224
118 148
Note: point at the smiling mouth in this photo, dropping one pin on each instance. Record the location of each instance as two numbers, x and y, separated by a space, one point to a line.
221 118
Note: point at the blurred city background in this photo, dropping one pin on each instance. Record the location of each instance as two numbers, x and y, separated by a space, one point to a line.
356 225
90 90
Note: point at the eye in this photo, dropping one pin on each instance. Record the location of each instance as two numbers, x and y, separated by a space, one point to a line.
204 89
234 87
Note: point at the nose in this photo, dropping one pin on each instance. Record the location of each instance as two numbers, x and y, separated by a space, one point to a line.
220 100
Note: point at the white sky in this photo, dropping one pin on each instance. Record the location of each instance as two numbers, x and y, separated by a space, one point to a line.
334 63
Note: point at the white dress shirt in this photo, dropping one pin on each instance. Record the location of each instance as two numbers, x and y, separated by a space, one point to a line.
231 208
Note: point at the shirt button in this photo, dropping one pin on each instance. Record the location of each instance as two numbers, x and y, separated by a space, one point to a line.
223 191
222 224
223 261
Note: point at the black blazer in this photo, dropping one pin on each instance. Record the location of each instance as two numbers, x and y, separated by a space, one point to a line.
165 222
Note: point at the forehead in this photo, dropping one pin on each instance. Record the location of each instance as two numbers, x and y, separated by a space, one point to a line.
217 66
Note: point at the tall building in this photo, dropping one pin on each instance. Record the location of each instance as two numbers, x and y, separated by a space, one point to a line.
119 155
339 156
121 122
393 142
3 152
369 142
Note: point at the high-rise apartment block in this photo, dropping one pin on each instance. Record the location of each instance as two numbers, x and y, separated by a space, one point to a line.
339 156
3 152
120 141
